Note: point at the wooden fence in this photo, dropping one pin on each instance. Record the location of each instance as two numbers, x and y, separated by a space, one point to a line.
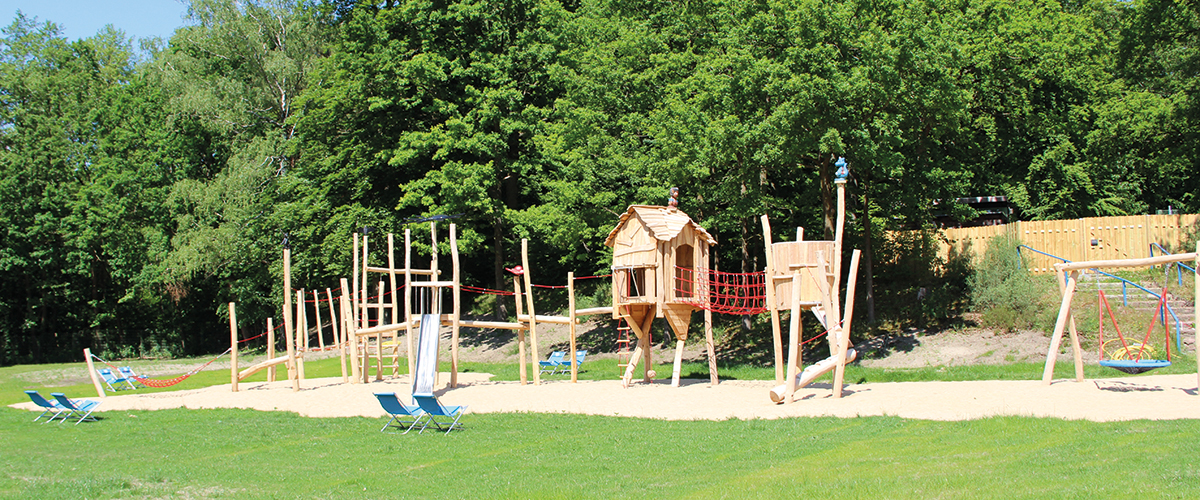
1093 238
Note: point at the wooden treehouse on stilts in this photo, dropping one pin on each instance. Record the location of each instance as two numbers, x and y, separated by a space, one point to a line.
657 253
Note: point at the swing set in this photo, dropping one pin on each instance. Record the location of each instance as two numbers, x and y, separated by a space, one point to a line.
1129 356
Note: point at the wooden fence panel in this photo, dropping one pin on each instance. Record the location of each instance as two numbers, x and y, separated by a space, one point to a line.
1093 238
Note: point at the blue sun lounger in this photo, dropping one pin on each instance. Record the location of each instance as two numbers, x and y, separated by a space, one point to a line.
51 408
439 415
114 382
131 377
80 408
403 415
551 365
566 365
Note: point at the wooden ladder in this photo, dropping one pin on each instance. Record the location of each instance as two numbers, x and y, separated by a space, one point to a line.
623 352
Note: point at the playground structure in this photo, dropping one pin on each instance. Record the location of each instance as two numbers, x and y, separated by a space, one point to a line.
660 270
1068 276
805 275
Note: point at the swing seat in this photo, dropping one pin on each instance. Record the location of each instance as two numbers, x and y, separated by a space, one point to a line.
1133 366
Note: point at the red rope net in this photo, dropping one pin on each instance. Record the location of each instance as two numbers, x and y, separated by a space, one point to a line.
725 293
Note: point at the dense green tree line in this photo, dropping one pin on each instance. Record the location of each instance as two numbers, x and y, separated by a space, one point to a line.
142 187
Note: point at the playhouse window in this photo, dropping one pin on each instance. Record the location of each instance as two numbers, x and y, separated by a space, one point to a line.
632 281
685 275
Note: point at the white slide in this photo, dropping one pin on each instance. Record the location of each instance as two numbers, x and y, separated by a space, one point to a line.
811 373
427 349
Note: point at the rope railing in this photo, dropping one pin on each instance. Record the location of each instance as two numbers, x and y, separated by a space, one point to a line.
721 292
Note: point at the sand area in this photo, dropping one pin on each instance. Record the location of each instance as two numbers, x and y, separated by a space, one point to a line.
1153 397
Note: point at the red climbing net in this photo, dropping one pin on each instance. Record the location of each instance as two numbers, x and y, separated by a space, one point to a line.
725 293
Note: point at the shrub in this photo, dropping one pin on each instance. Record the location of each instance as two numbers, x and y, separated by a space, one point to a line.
1005 294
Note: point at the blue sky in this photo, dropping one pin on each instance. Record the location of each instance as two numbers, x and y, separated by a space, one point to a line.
83 18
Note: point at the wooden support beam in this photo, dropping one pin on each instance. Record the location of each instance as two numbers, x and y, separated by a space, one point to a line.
268 363
91 368
521 332
271 348
338 337
1147 262
388 270
794 332
349 330
592 311
1077 350
287 319
395 303
1064 315
233 350
711 348
571 325
301 333
457 306
533 342
839 374
555 320
408 272
776 329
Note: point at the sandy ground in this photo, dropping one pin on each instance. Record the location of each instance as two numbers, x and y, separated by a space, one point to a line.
1154 397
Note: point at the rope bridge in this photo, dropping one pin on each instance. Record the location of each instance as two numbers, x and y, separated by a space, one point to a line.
727 293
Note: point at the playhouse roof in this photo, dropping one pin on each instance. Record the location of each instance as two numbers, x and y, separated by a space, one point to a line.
664 223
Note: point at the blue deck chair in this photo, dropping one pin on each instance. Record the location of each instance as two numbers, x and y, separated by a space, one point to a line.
566 365
438 414
555 361
80 408
403 415
131 377
114 382
51 408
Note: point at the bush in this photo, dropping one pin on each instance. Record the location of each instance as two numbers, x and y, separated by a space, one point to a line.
1006 295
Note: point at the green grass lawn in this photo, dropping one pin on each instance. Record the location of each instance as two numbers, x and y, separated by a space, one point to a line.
248 454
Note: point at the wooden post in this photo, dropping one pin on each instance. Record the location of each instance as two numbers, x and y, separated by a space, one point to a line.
839 374
776 333
571 324
793 340
1195 315
233 348
395 305
301 334
836 260
349 332
1064 315
364 312
379 336
533 345
287 318
270 349
91 368
1077 350
457 306
712 353
320 328
337 336
408 321
521 332
353 293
